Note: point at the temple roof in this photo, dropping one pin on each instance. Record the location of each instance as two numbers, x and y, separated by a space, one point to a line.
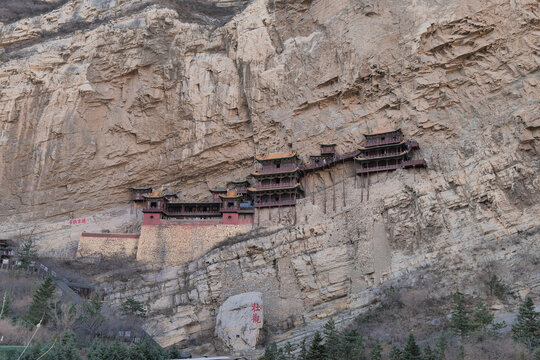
398 130
231 194
276 189
380 146
382 156
240 181
157 194
208 203
275 156
219 189
135 188
154 195
256 173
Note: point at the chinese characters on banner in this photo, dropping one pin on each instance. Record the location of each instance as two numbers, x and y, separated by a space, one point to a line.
77 221
256 317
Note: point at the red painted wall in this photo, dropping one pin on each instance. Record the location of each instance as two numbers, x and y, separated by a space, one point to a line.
230 218
151 219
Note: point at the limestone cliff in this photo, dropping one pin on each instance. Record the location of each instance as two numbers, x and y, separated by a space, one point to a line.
100 95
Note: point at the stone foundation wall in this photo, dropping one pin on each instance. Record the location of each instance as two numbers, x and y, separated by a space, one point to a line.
177 245
108 245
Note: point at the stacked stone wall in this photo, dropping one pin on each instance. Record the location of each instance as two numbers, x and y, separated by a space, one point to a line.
177 245
108 245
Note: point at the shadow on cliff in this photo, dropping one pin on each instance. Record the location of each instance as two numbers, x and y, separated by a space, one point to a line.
189 11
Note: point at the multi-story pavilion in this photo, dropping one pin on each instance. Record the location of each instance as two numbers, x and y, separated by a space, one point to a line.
277 182
387 151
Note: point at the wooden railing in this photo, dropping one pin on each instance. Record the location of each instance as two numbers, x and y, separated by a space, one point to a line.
404 164
192 213
371 143
280 185
329 161
277 170
388 154
276 203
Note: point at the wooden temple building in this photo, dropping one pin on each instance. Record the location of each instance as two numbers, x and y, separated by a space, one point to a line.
7 252
226 207
387 151
137 193
327 158
277 182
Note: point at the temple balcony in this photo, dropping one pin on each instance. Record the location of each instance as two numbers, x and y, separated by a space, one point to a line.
273 170
276 186
194 213
378 142
413 144
330 161
403 165
276 203
381 156
137 197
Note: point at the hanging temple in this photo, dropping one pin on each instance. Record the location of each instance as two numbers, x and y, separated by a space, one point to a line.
276 183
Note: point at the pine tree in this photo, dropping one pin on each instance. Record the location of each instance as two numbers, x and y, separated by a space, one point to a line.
428 354
351 346
411 350
497 287
104 350
536 355
145 350
459 320
482 317
440 347
60 348
27 253
302 355
461 354
376 352
91 317
271 352
67 349
331 339
316 350
395 353
173 352
527 327
42 304
287 351
133 307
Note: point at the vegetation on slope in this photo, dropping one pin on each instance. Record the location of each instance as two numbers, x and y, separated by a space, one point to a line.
469 332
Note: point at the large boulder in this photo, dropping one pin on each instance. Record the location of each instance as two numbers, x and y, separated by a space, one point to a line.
239 321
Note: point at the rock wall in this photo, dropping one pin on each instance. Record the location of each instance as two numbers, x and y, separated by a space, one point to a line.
338 263
108 245
170 245
185 97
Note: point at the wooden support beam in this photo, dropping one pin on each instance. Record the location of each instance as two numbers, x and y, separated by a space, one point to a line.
333 193
343 179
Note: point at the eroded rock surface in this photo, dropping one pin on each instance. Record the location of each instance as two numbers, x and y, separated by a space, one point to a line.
239 321
159 96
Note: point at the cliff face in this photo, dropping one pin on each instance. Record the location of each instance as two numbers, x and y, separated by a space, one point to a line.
101 95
